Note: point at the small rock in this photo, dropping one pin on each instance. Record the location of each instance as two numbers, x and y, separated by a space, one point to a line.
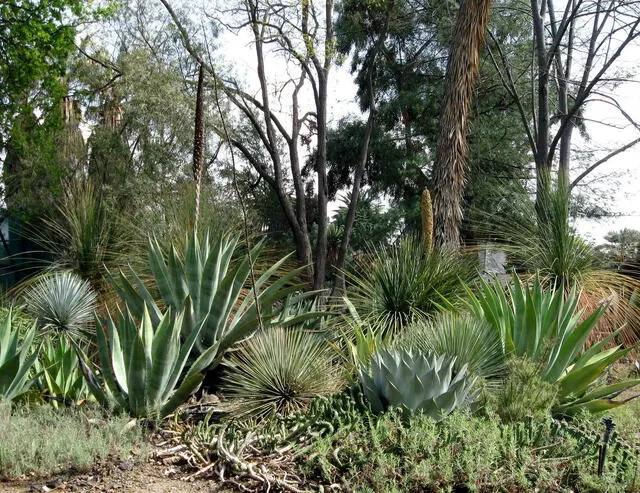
127 465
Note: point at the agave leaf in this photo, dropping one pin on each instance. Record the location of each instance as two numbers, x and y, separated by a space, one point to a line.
161 273
577 381
165 348
566 350
188 386
608 391
135 365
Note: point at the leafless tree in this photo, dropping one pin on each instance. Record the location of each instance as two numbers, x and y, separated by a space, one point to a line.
302 33
575 59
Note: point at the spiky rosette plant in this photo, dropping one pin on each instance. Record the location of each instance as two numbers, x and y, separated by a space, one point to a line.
280 371
415 382
392 288
64 303
473 342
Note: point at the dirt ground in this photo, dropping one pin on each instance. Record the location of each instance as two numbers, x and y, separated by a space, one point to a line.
124 477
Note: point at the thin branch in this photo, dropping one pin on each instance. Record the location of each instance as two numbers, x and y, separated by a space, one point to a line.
586 172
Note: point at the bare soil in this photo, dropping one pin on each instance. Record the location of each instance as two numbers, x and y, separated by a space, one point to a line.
111 477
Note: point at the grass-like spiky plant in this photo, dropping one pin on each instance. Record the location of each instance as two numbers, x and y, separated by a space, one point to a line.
393 287
472 341
64 303
280 371
85 235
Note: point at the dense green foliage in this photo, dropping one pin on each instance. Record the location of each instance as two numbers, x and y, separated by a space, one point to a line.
395 286
388 453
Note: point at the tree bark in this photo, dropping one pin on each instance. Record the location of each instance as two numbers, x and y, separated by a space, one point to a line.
450 168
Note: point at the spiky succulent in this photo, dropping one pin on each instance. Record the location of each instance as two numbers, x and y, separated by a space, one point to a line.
16 359
414 381
63 302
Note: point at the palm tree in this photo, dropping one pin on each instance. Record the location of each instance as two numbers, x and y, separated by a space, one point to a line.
449 169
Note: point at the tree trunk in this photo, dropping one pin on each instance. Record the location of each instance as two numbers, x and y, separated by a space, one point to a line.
450 168
339 287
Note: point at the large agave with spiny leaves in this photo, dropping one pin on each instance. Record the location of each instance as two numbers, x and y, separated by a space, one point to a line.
423 382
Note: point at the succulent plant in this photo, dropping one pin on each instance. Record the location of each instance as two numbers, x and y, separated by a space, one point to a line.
415 382
63 302
209 288
547 326
16 359
141 364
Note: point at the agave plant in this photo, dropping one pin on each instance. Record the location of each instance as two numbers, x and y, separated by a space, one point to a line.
15 359
415 381
60 373
62 302
394 287
280 371
212 292
471 340
141 364
547 327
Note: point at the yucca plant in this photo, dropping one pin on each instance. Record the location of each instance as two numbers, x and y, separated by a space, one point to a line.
141 364
61 377
84 234
280 371
16 359
213 291
472 341
62 302
393 287
547 327
415 381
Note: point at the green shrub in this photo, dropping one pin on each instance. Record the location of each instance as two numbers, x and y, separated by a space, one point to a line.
280 371
387 453
42 440
523 393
